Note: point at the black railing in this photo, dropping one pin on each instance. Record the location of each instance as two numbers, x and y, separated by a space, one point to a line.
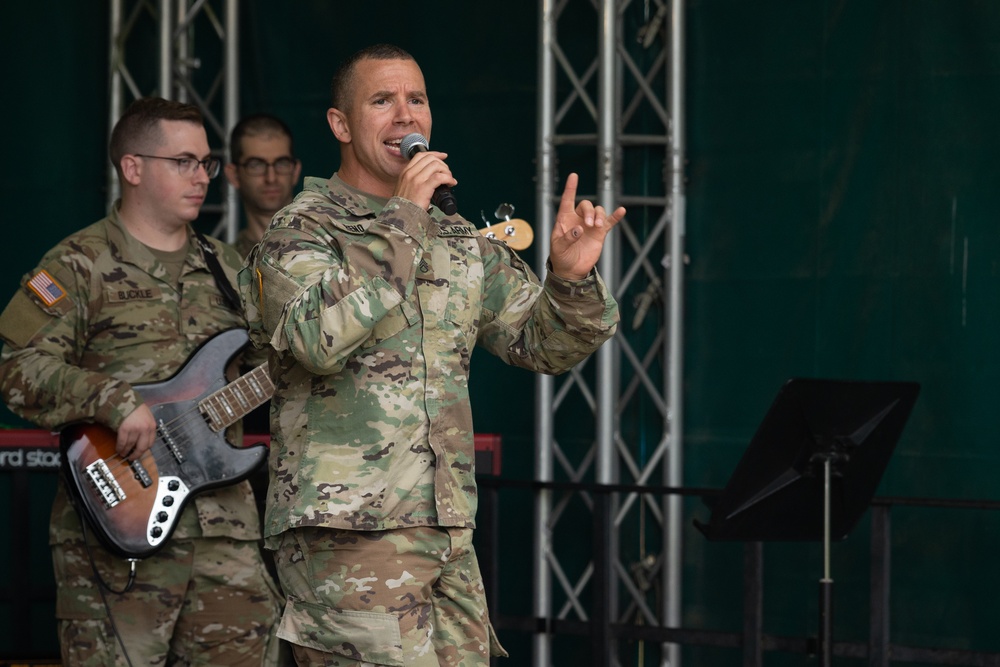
603 632
25 452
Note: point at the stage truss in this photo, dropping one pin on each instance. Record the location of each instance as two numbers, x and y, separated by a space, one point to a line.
620 111
195 45
610 106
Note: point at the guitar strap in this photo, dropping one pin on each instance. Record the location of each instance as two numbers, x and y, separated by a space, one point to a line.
208 252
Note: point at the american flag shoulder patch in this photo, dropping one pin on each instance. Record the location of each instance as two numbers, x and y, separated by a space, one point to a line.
46 288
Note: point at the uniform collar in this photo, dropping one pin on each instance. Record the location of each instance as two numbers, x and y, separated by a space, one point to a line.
355 201
358 202
128 249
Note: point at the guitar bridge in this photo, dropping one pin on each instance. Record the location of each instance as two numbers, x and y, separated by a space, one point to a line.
107 486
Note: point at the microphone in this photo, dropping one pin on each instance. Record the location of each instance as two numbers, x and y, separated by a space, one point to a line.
414 143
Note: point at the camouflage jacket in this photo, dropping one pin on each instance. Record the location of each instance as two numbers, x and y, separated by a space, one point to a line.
98 314
371 309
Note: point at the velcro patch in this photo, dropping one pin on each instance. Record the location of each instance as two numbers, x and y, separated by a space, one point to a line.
46 288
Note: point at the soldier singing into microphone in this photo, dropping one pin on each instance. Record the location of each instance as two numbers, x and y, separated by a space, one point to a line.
370 300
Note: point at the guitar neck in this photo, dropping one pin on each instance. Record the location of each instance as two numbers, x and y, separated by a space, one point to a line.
237 399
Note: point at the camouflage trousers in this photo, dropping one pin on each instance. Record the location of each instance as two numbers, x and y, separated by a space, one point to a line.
201 601
410 597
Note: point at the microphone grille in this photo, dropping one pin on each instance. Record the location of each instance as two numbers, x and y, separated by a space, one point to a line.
408 146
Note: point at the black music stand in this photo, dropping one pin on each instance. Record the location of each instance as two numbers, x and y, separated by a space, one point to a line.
812 468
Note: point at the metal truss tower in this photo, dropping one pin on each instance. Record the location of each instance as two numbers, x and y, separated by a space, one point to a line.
194 47
617 119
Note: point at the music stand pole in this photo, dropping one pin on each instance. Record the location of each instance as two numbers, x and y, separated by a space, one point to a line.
826 583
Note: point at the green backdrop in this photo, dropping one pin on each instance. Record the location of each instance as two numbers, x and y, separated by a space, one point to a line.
841 222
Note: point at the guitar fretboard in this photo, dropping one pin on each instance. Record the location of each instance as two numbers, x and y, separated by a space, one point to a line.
237 399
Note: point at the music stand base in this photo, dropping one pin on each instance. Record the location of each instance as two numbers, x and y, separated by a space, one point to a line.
825 622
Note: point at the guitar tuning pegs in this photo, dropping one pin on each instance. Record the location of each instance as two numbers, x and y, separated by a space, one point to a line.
504 212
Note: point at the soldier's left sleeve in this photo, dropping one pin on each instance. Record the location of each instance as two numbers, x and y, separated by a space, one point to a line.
547 327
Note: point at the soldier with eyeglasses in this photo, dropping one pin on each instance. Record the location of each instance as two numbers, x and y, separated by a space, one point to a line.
264 170
123 301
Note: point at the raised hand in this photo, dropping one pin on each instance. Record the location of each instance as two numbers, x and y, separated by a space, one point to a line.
578 234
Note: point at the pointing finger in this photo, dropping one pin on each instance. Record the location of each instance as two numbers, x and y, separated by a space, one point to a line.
568 201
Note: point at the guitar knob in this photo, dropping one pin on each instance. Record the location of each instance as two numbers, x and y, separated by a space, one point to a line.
162 516
173 485
156 532
168 501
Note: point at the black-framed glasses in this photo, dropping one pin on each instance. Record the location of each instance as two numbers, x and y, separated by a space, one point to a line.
187 166
257 167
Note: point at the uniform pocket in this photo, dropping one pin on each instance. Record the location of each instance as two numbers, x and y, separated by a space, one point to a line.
397 319
360 635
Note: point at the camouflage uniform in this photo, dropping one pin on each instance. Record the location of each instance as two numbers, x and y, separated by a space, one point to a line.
372 308
99 314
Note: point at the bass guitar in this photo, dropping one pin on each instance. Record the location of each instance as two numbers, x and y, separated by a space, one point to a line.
515 232
133 505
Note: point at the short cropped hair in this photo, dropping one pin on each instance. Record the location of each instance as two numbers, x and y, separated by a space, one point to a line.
254 125
138 130
343 79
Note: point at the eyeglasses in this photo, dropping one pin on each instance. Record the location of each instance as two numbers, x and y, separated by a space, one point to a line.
257 167
187 166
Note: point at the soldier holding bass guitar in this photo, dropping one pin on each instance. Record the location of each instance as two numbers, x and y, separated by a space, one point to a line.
123 302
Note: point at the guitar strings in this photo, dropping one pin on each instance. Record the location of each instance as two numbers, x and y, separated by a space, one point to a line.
123 465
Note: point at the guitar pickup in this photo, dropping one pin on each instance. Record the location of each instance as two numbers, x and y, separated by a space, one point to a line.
107 486
167 438
141 474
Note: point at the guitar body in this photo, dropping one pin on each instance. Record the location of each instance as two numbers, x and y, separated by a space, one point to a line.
133 506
